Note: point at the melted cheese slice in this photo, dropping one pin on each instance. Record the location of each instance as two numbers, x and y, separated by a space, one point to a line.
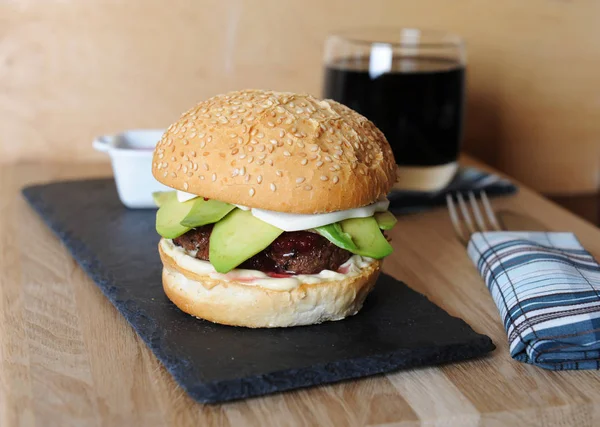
296 222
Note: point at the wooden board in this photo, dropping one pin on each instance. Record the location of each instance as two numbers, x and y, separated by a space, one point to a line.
68 358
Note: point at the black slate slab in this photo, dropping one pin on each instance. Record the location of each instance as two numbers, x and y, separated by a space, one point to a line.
398 327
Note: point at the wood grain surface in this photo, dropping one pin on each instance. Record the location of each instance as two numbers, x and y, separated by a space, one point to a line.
67 358
71 70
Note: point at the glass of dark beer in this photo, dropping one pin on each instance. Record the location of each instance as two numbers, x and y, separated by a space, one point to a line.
411 84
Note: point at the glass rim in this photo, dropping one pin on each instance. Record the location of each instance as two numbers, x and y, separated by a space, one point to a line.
359 36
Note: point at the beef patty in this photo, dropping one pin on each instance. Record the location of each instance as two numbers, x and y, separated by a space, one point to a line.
296 252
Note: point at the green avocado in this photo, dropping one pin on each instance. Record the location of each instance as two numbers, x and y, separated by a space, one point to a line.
333 233
237 237
366 235
206 212
386 220
169 216
160 197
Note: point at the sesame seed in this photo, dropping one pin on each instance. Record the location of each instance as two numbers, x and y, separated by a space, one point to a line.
253 141
173 174
205 166
300 144
232 145
242 156
327 158
240 140
261 148
271 124
287 153
324 178
185 169
270 162
202 177
299 110
289 121
260 162
254 132
294 130
239 121
234 116
243 171
193 135
303 162
314 148
247 178
232 135
299 180
179 167
251 192
308 187
186 158
209 139
259 179
273 141
319 163
279 173
250 159
281 133
270 149
195 166
214 177
185 186
335 179
273 187
234 151
165 174
193 153
161 155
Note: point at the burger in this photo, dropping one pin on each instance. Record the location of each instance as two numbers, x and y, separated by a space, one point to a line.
279 209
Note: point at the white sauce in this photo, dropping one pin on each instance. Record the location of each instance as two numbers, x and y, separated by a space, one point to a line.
258 278
295 222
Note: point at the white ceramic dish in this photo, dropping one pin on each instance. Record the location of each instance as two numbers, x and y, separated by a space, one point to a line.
131 157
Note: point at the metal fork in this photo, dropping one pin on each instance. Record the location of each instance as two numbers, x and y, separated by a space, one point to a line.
480 224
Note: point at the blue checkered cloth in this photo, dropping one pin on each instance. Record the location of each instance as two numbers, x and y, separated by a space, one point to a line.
547 289
466 179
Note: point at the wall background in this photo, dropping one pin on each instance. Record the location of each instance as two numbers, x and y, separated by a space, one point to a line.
70 70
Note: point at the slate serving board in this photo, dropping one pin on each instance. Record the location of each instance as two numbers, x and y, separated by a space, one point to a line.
117 247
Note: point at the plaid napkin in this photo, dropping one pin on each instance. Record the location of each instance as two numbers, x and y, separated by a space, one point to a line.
547 289
466 179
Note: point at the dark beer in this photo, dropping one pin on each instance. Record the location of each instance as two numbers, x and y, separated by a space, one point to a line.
418 105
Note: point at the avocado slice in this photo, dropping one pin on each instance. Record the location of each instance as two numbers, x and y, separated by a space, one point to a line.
368 238
386 220
160 197
169 216
238 237
206 212
335 234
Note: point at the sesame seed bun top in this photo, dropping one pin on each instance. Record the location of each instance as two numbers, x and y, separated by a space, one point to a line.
276 150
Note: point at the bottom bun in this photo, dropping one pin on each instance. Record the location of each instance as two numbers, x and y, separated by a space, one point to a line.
237 304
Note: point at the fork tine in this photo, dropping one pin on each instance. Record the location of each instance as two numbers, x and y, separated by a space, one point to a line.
454 217
489 211
465 211
476 212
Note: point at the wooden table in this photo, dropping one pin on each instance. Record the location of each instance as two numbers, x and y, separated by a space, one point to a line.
67 357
